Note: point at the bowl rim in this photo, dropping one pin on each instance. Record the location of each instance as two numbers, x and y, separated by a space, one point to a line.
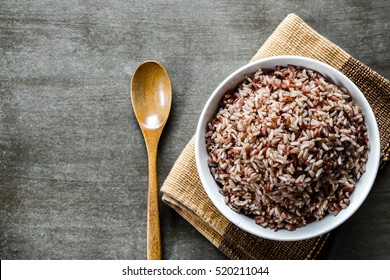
300 233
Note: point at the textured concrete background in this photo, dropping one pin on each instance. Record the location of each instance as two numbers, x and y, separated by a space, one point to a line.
73 170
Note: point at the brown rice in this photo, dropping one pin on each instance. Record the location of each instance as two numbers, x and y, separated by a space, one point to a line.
287 147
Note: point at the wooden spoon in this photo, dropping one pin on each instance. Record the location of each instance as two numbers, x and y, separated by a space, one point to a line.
151 96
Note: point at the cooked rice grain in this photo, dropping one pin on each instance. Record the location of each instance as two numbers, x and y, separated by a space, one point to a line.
287 147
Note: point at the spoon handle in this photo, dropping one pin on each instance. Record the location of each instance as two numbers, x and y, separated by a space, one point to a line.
153 220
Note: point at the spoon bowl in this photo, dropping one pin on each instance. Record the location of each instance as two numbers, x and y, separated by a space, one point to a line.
151 94
151 97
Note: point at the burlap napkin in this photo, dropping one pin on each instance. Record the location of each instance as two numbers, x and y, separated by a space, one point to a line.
184 192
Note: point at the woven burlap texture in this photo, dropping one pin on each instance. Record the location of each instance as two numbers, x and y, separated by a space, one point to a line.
183 191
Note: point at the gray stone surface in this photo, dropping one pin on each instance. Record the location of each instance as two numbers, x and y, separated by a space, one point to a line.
73 169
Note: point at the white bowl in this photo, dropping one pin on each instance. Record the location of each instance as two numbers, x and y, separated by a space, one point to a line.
330 221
